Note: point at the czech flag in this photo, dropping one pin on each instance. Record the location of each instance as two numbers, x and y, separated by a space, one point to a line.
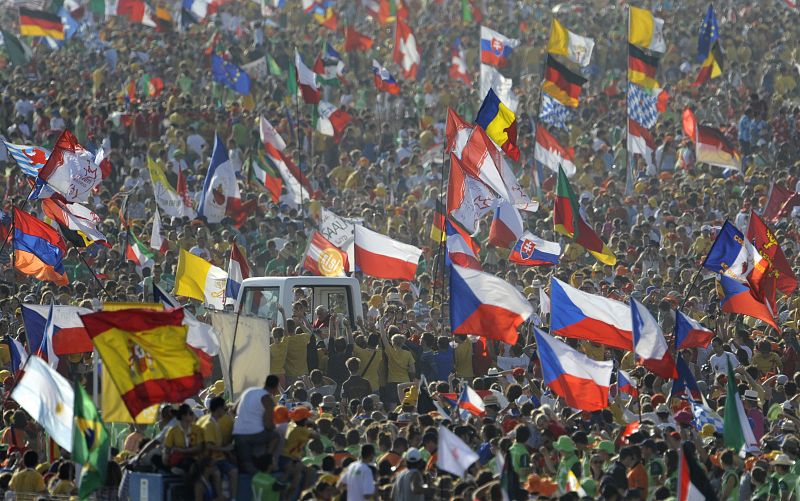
382 257
531 250
582 382
500 123
689 333
649 345
384 81
685 385
69 335
580 315
470 401
38 249
496 48
738 298
485 305
238 270
625 383
507 225
461 248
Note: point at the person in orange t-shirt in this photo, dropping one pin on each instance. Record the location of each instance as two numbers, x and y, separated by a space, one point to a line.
631 457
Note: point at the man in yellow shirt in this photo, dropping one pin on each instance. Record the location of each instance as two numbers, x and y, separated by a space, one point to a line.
183 442
765 359
296 361
277 354
214 440
463 357
28 480
371 356
400 364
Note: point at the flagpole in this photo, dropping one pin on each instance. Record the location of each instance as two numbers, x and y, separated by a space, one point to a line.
437 264
13 254
628 155
299 151
102 287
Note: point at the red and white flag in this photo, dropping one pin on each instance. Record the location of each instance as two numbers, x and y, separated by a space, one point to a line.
383 257
551 154
641 142
269 135
307 80
137 11
332 121
468 199
323 258
405 52
458 63
157 242
507 226
70 170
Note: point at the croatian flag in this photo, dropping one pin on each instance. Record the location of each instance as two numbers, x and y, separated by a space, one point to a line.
690 333
733 256
531 250
69 335
580 315
649 345
471 402
496 48
382 257
625 383
461 248
238 270
738 298
582 382
484 305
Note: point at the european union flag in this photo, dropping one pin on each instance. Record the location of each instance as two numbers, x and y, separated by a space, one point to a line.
709 33
229 74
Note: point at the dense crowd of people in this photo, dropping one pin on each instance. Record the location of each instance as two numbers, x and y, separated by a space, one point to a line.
338 415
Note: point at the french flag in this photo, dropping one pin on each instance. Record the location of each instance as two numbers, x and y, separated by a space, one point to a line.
18 354
384 81
238 270
461 248
582 382
580 315
484 305
382 257
507 225
625 383
685 385
649 345
458 63
738 298
733 256
69 335
470 401
690 333
531 250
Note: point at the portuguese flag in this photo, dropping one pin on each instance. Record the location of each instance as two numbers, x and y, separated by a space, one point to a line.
568 221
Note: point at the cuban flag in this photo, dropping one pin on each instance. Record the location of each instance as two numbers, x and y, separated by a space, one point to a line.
625 383
484 305
690 333
458 63
19 355
531 250
496 48
582 382
733 256
238 270
471 402
461 248
649 345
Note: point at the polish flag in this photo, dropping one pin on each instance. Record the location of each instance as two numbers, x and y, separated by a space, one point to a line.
382 257
640 141
157 242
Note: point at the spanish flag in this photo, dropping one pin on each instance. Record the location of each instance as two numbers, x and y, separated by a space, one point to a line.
37 23
569 222
201 280
146 355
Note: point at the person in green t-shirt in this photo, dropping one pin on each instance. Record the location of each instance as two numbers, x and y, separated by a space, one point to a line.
520 456
782 481
729 486
265 486
568 461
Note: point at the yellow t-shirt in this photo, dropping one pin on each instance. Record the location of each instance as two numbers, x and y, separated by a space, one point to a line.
212 434
296 362
296 438
226 426
369 373
339 175
400 361
63 487
5 355
766 363
177 438
463 359
277 356
27 480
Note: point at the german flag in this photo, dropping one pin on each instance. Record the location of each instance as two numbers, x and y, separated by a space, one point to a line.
562 84
712 66
37 23
642 68
437 228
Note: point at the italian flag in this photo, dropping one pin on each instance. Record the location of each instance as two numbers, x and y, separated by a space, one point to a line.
139 253
569 222
331 121
737 433
267 176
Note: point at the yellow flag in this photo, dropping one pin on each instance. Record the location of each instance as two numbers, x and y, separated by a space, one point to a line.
201 280
646 30
114 411
559 39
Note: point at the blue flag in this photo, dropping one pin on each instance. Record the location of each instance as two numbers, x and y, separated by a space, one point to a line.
709 33
230 75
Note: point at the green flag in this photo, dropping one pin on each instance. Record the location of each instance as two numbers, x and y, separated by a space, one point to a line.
90 444
737 430
291 81
274 69
18 53
466 11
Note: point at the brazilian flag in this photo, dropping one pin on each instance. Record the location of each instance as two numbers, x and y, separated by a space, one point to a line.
90 444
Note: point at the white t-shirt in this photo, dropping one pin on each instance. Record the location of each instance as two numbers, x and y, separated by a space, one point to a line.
719 364
250 413
358 479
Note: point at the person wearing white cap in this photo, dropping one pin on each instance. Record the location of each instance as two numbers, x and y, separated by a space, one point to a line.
409 484
753 411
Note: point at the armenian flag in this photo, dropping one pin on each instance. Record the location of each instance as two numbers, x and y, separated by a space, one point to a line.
146 355
38 249
37 23
561 83
500 123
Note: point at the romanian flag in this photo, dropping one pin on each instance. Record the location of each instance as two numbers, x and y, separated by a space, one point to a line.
437 227
146 355
38 249
201 280
561 83
568 221
642 68
37 23
500 123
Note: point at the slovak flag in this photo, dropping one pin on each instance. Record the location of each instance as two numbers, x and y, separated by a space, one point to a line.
384 81
625 383
484 305
689 333
496 48
582 382
649 345
733 256
461 248
220 188
238 270
470 401
531 250
458 63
